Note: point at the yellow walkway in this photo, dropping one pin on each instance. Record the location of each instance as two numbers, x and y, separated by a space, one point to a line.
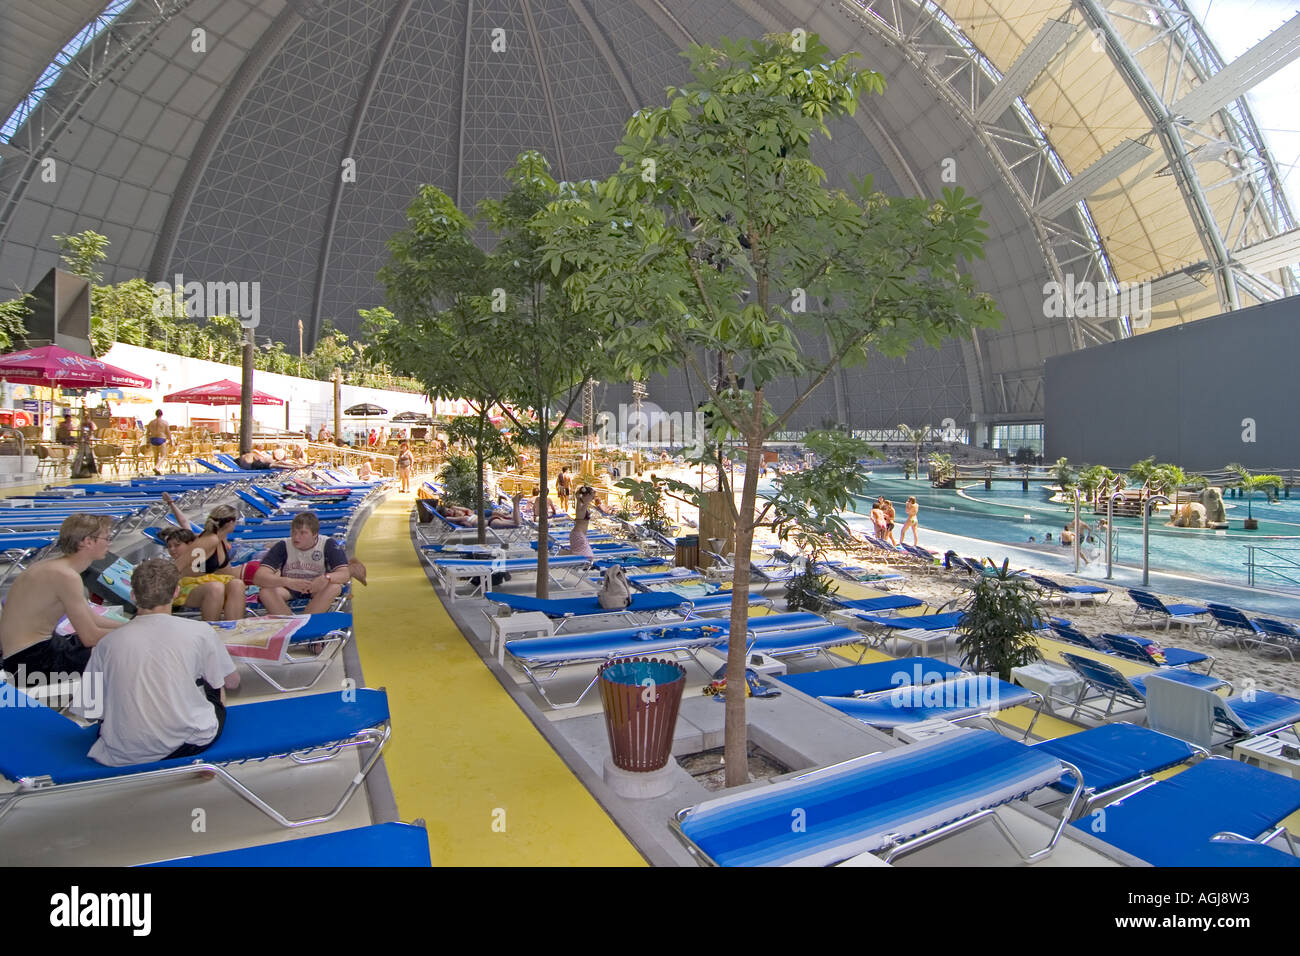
463 756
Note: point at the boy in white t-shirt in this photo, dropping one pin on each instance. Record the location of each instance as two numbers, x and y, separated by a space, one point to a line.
162 678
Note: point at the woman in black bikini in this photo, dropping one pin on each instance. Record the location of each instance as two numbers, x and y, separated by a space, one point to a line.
213 547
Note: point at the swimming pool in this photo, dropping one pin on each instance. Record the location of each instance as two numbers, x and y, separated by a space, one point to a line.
1008 515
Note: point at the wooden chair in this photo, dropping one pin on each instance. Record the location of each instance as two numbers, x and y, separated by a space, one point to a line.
109 455
44 461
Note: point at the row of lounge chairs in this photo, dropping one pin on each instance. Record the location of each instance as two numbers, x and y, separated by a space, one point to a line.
1215 813
45 753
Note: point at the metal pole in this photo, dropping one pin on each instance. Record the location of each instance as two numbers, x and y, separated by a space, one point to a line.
1110 531
1078 496
1146 540
246 399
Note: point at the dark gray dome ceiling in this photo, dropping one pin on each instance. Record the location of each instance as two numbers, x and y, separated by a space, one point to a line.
227 163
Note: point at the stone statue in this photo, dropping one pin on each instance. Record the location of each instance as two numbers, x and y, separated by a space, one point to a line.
1191 515
1215 516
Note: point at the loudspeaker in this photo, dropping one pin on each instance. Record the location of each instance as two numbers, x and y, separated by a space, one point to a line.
60 313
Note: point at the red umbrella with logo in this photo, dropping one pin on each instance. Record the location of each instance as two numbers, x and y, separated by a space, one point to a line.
53 366
222 392
57 367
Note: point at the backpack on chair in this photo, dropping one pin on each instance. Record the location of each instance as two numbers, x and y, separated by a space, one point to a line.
615 593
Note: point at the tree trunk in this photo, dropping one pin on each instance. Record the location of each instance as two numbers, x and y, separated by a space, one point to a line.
479 462
543 509
737 731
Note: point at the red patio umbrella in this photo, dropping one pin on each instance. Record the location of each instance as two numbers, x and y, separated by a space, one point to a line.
224 392
57 367
53 366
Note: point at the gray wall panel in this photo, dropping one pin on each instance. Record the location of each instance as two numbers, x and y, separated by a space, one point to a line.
1181 394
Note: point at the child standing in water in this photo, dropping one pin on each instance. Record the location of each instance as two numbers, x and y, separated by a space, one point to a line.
912 508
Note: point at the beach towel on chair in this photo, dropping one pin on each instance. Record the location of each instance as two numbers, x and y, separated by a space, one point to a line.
615 593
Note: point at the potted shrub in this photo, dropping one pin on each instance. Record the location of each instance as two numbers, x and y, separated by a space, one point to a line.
995 633
1249 484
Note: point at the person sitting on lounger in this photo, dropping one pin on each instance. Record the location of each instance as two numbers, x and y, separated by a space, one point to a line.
46 592
162 677
210 556
503 516
214 593
303 565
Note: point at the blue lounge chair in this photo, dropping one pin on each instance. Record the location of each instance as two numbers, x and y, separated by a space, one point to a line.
1117 758
1072 635
1151 608
1134 648
381 844
920 630
886 803
861 679
641 608
451 572
1114 686
960 698
1192 713
321 637
888 602
1277 634
540 658
1074 593
803 641
44 752
860 575
1232 622
1175 822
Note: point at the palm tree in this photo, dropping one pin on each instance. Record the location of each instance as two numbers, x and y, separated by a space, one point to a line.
917 437
1142 472
1250 483
1063 474
942 470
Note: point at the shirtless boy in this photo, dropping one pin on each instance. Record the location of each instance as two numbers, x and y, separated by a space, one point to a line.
49 590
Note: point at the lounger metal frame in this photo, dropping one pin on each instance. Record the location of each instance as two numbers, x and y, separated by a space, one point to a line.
377 736
905 845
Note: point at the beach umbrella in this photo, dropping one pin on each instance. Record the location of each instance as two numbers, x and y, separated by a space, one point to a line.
365 411
222 392
413 418
56 367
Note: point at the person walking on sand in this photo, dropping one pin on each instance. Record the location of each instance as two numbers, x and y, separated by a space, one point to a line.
912 508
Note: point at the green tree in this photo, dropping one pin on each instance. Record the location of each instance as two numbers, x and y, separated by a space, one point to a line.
438 331
491 327
995 631
917 437
1143 472
718 235
1063 474
942 469
1251 483
1093 479
13 321
82 252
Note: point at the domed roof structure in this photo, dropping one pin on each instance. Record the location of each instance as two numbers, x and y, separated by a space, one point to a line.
280 142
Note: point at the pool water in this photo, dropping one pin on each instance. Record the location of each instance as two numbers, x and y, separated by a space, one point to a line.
1008 515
